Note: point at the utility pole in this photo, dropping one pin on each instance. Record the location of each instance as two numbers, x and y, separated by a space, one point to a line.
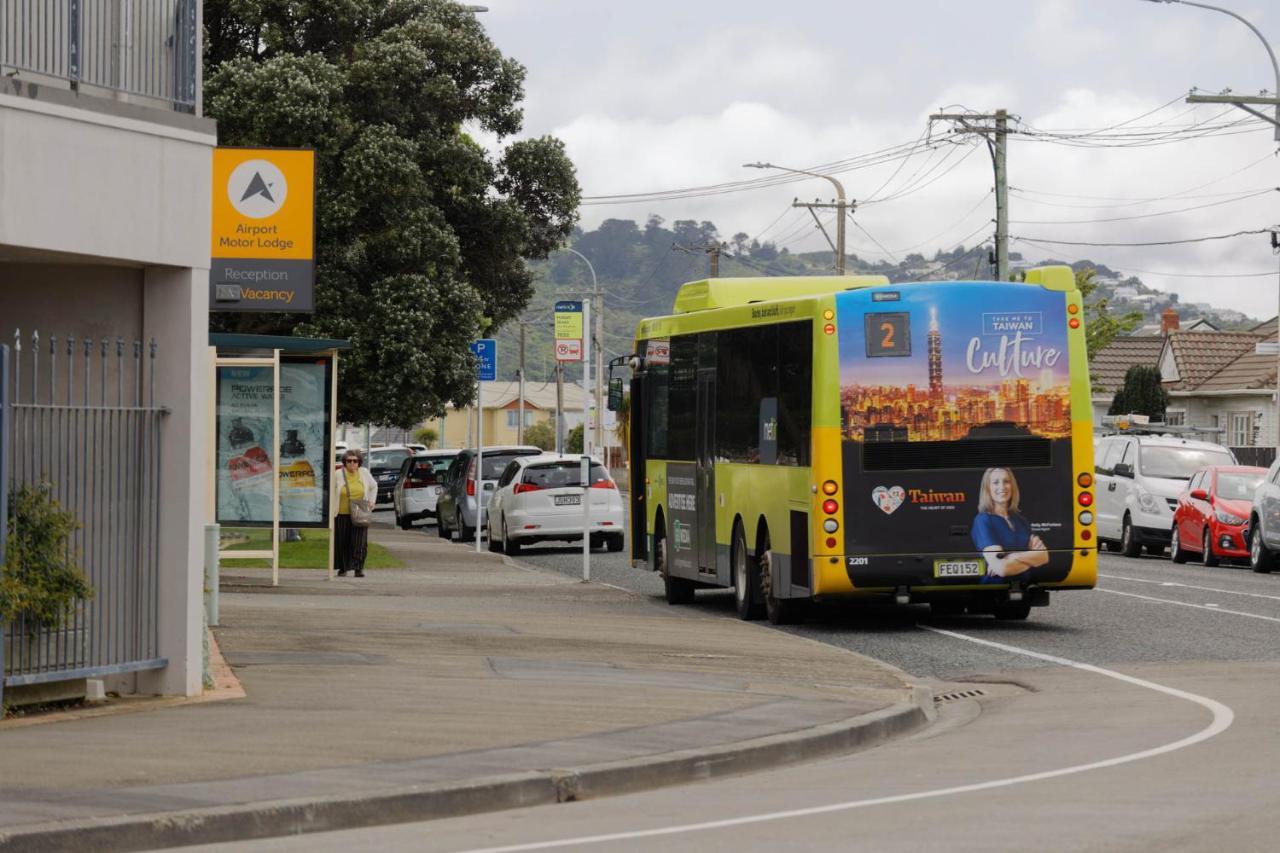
994 128
599 351
560 407
520 377
840 205
712 250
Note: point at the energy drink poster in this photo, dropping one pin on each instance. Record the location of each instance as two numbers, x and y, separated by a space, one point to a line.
244 433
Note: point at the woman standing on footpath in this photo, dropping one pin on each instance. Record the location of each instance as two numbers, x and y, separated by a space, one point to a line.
351 541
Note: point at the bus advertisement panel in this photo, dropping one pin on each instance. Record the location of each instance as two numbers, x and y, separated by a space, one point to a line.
956 434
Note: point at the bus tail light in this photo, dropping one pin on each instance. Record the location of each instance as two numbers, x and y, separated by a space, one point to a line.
831 542
1085 499
831 525
1074 322
830 328
1086 517
1086 535
1085 480
830 507
830 487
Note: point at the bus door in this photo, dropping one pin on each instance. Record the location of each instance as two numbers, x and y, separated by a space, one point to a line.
639 477
704 454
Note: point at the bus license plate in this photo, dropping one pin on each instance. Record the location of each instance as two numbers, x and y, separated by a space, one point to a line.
568 500
958 569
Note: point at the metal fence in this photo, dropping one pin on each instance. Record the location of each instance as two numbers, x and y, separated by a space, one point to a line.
83 418
142 47
1260 456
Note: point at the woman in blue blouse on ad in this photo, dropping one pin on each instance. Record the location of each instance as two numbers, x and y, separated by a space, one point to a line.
1000 533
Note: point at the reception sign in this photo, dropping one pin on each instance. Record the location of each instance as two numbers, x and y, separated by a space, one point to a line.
246 463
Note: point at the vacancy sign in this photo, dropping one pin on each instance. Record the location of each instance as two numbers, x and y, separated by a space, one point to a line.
571 322
263 252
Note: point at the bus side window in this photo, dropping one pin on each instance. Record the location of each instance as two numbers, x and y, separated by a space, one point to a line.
657 377
682 395
795 392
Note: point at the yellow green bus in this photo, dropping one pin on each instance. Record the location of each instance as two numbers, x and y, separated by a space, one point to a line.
822 438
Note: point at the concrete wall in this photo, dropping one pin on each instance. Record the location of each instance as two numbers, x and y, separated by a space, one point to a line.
104 231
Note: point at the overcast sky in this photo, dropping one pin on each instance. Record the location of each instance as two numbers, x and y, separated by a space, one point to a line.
666 95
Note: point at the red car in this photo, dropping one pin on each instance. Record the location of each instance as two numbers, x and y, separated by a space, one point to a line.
1212 515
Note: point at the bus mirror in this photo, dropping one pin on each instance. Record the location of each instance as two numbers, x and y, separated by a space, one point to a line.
615 394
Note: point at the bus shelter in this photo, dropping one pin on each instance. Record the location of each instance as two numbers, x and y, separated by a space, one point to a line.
272 442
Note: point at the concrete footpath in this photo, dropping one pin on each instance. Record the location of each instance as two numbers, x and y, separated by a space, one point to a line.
464 683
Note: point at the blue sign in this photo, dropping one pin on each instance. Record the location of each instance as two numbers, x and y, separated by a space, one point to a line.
486 351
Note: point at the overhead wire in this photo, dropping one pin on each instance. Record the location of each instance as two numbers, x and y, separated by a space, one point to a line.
1205 239
1143 215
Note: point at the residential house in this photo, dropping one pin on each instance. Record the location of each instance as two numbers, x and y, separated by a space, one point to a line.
105 172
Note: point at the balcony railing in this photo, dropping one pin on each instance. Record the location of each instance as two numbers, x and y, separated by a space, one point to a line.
145 48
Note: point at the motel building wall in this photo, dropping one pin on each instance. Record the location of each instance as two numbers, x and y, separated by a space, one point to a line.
104 232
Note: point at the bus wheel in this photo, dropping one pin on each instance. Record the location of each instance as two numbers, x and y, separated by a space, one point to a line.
744 577
678 590
1013 610
781 611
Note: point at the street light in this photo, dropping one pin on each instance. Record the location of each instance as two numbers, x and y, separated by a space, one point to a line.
840 205
1239 102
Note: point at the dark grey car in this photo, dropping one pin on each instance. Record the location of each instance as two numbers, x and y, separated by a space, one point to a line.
456 508
1264 522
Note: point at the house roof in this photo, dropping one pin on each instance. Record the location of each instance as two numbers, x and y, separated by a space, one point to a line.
1201 355
537 395
1110 363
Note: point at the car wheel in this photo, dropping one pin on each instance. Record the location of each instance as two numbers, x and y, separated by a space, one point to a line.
1260 557
460 527
1129 545
1175 547
616 543
509 545
493 544
678 590
403 522
1210 559
744 576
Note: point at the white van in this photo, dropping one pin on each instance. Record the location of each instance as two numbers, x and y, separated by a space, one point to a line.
1139 478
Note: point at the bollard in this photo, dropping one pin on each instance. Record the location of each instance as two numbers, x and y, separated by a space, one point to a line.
211 573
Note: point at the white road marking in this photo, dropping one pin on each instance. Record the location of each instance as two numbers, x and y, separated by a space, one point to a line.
1192 586
1215 608
1222 719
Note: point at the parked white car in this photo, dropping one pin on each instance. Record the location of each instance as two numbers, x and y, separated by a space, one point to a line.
419 484
1139 478
539 499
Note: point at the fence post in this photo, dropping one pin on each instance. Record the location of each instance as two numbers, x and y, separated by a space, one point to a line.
74 48
211 579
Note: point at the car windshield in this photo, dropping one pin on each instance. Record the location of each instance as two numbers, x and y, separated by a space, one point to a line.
1179 463
562 474
1238 487
387 458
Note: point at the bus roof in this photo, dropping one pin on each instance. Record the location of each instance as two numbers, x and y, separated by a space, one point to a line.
729 292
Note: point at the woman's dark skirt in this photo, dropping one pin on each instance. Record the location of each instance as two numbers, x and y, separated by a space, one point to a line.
350 545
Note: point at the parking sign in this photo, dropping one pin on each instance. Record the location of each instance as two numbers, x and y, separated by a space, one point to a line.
486 351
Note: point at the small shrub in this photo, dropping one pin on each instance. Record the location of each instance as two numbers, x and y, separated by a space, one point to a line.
40 577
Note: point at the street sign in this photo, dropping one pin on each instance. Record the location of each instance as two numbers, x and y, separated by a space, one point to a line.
486 351
569 350
572 319
262 255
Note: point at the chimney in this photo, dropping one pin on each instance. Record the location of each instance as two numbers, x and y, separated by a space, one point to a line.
1168 321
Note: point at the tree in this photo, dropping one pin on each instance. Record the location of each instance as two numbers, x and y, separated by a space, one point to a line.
541 434
573 441
425 435
1142 394
1100 327
421 234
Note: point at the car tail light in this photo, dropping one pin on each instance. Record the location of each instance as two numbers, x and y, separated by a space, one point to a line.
521 488
604 484
471 482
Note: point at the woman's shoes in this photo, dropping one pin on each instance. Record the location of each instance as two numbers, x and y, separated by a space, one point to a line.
342 573
359 573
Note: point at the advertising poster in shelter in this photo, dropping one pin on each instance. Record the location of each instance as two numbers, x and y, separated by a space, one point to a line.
245 464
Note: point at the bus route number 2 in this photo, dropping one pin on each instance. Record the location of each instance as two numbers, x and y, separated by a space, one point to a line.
888 334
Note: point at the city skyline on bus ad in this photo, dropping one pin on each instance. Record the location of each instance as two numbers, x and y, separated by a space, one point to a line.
935 363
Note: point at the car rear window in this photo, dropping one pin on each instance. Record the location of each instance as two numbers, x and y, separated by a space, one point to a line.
561 474
388 458
1238 487
1180 463
496 463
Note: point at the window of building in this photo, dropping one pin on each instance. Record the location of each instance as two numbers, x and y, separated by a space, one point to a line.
1175 418
513 418
1240 429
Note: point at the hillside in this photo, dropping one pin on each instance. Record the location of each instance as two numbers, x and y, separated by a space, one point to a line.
640 268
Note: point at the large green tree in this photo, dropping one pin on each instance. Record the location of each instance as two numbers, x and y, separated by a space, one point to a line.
1101 326
421 235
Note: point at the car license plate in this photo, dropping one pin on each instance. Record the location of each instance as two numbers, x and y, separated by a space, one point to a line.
568 500
958 569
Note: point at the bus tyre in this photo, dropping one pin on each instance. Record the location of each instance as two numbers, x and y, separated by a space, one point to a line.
1210 559
744 577
1176 553
1261 560
678 590
1129 544
1013 610
780 611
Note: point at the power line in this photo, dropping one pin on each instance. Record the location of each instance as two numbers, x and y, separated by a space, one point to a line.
1206 239
1143 215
